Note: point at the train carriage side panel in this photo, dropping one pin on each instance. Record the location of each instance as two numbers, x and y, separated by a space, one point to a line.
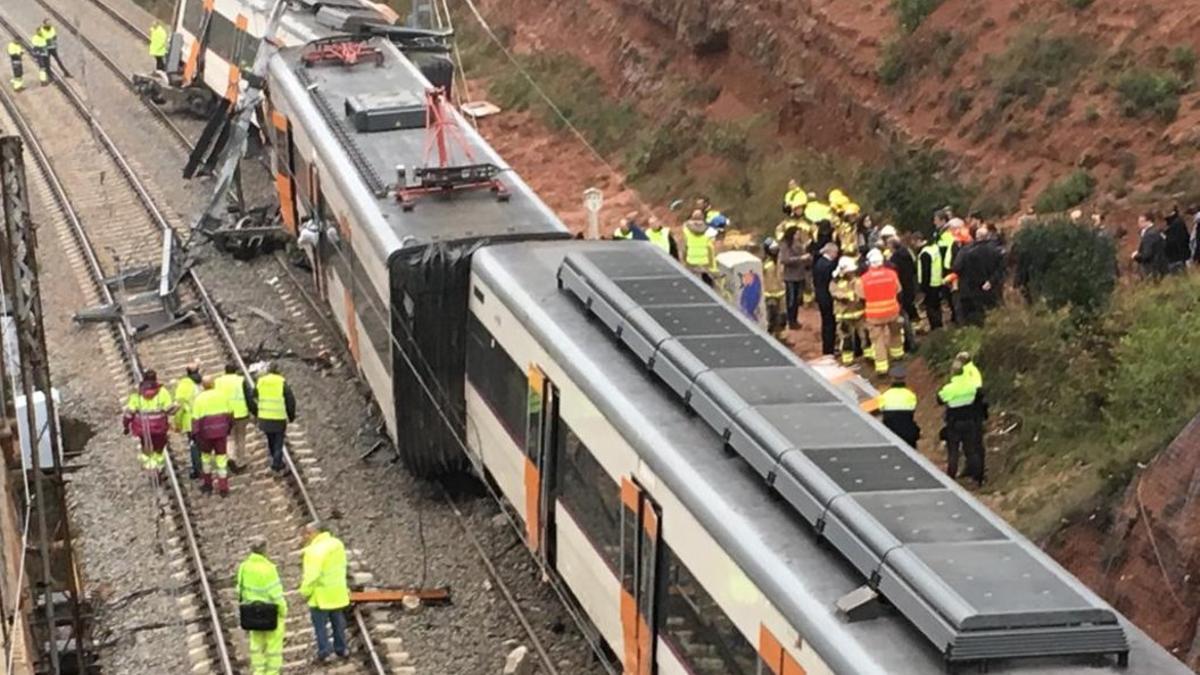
717 589
589 573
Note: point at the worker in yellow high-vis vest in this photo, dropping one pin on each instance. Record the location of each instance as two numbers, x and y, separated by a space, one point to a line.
234 386
258 583
16 54
274 406
159 41
324 587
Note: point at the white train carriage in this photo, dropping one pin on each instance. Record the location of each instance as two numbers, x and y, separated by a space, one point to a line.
681 556
216 40
395 279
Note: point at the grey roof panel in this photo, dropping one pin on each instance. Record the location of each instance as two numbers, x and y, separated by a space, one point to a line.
928 516
767 385
871 468
654 291
830 425
693 320
734 351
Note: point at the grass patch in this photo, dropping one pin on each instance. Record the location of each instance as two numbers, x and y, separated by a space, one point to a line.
1089 399
1066 193
910 54
1144 92
1182 60
1033 62
911 13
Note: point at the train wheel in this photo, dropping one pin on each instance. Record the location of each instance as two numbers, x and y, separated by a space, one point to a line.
199 102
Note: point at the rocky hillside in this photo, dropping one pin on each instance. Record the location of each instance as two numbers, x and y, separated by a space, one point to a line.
1050 103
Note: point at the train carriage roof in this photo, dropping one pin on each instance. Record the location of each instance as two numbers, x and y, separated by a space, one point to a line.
365 163
800 575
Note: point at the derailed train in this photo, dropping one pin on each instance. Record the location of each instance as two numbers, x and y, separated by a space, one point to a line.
703 500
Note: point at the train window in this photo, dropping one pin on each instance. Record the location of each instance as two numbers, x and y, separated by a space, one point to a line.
501 383
247 51
222 36
193 16
698 631
589 494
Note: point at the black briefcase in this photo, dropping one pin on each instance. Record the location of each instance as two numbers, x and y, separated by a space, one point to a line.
258 615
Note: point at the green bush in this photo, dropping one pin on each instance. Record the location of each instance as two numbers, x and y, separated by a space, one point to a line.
1065 264
1183 61
1034 62
910 184
1149 93
910 54
912 12
1079 4
1066 193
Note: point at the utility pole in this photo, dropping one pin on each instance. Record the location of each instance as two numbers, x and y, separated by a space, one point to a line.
19 270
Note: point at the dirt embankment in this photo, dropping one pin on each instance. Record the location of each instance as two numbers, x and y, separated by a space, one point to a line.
1141 557
1019 94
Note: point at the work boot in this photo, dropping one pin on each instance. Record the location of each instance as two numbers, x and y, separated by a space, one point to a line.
206 483
223 487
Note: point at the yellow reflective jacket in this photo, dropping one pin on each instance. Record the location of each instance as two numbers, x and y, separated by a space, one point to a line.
324 580
158 41
234 386
185 396
258 581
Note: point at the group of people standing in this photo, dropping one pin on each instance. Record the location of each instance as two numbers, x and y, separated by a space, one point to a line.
43 46
207 411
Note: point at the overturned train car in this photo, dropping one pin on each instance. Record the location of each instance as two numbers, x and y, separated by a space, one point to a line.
347 141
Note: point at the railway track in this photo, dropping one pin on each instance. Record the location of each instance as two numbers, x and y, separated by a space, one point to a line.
104 217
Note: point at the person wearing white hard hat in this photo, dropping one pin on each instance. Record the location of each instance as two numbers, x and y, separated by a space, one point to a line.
848 308
879 288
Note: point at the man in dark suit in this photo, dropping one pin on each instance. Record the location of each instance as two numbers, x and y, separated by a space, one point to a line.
823 269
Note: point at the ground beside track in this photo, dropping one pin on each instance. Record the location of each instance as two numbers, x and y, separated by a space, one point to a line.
377 506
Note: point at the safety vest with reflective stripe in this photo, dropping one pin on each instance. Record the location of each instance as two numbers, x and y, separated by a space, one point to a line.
772 283
271 404
158 41
972 372
699 250
48 33
15 50
815 212
324 581
881 287
946 245
211 414
934 253
627 234
233 386
38 43
847 306
959 392
660 238
185 396
258 581
898 399
159 403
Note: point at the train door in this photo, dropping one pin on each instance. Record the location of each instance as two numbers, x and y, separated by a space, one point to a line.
541 438
640 537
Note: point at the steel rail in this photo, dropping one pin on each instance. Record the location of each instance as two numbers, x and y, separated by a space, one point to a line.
119 18
208 303
127 345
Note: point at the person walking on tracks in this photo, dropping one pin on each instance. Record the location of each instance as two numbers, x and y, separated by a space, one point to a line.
262 609
274 406
16 54
50 34
185 397
41 56
159 41
147 418
324 586
235 387
212 418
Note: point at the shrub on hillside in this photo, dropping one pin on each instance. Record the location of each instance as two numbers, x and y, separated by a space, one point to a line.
912 12
1149 93
1035 61
1079 4
1065 264
1066 193
910 184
